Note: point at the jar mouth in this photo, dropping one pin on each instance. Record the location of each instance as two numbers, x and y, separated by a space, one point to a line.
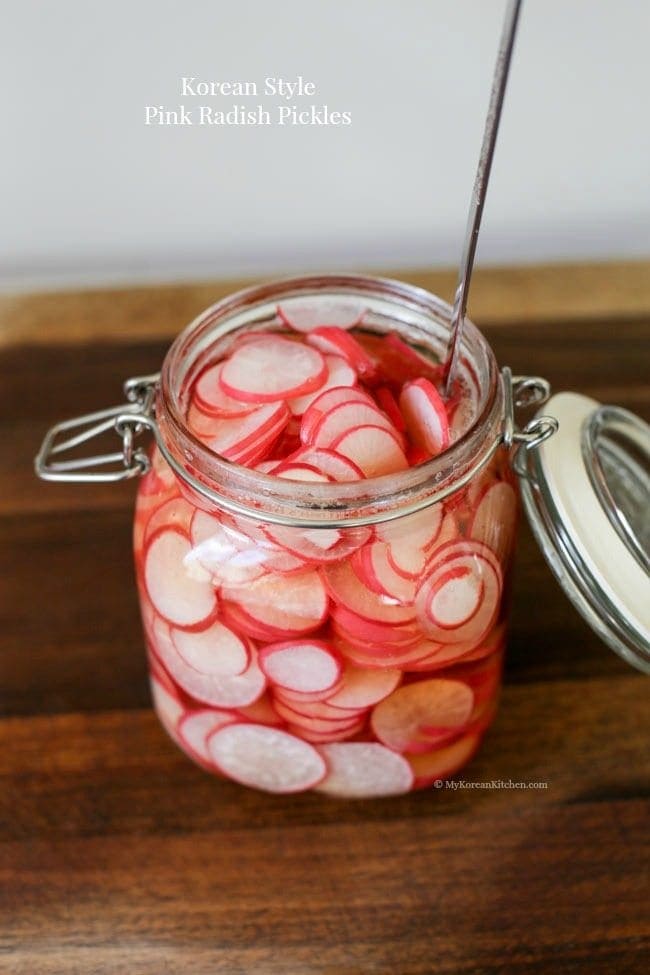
417 316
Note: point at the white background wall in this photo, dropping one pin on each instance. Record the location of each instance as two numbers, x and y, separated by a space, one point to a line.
90 193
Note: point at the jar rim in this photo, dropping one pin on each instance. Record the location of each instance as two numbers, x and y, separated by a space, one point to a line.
243 490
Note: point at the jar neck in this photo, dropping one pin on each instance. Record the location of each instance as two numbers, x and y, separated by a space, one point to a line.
419 318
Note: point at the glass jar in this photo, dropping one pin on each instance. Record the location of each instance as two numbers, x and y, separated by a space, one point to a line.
343 637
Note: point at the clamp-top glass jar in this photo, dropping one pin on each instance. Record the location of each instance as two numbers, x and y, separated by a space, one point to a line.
324 602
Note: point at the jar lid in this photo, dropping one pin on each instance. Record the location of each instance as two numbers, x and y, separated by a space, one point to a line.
586 492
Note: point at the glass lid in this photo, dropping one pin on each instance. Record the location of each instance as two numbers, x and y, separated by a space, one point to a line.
586 491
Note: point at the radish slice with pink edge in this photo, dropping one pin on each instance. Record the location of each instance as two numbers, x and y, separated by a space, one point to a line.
215 652
271 369
225 554
209 396
387 402
167 706
306 666
425 416
301 472
374 658
238 437
333 340
319 545
373 567
374 636
178 597
339 373
374 449
285 605
495 518
335 466
303 318
195 726
332 734
346 588
326 402
266 758
319 725
344 418
316 708
221 691
364 770
417 715
363 689
261 712
176 513
459 601
440 763
409 537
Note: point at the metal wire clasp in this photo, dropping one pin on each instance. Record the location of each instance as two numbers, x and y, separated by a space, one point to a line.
522 392
128 421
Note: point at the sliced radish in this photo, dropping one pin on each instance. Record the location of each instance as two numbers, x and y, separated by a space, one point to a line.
379 657
495 518
210 398
335 466
316 708
388 404
335 733
363 688
319 725
168 707
339 373
328 401
286 606
266 758
215 652
347 589
319 545
425 416
374 449
271 369
416 716
373 566
176 513
261 712
222 691
398 363
344 418
306 666
362 770
333 340
443 762
228 556
409 537
195 726
241 438
175 595
305 317
301 472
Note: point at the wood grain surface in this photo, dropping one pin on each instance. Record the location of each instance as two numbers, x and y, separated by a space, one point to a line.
118 856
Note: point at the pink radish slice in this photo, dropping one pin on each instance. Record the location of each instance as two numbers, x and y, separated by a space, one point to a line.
362 770
374 449
306 666
229 557
328 401
332 734
318 545
195 726
376 636
409 537
333 340
373 567
318 725
176 513
221 691
167 706
376 659
175 595
215 652
344 418
417 715
443 762
335 466
425 416
210 398
347 590
459 601
236 437
495 518
363 689
387 402
238 620
266 466
285 605
301 472
266 758
316 709
261 712
339 373
303 318
271 369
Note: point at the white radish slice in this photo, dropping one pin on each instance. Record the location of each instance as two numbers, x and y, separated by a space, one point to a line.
443 762
417 715
334 340
209 397
286 606
409 537
374 449
306 666
339 373
328 401
373 567
425 416
168 708
495 518
346 417
228 556
335 466
301 472
175 595
215 652
176 513
302 318
459 601
318 545
235 438
266 758
221 691
195 726
364 688
362 770
271 369
347 589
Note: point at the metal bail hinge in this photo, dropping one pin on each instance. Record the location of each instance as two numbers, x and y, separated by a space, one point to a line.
522 392
128 421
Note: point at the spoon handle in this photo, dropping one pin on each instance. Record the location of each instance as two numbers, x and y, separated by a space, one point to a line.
480 189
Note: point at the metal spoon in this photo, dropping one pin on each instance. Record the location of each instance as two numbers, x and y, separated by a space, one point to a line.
480 189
